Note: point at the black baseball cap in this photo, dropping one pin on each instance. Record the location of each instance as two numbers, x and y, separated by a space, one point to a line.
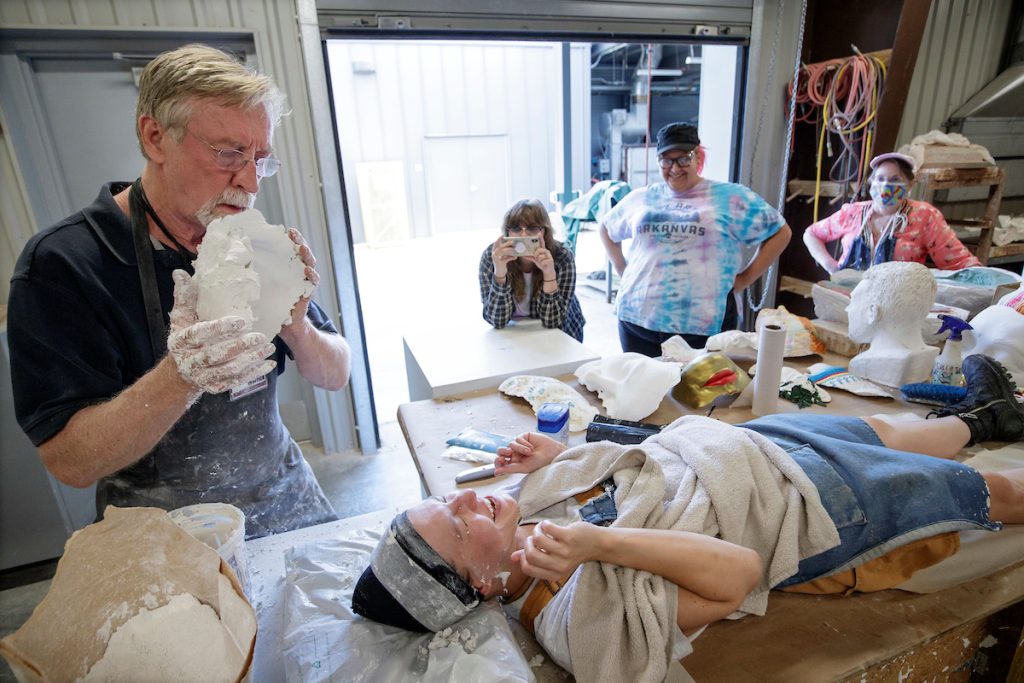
677 136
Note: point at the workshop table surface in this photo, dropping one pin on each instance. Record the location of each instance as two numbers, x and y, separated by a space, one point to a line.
428 424
458 356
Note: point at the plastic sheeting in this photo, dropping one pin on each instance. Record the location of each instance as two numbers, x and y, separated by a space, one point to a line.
324 640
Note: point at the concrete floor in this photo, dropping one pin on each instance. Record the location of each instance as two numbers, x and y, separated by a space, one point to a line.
353 482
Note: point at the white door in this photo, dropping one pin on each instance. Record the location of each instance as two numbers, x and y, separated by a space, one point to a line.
467 181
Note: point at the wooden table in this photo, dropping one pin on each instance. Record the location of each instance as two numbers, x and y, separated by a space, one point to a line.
465 355
867 637
428 424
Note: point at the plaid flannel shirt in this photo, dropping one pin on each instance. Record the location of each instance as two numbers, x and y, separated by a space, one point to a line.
559 310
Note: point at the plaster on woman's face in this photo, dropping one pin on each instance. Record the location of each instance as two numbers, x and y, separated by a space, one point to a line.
475 535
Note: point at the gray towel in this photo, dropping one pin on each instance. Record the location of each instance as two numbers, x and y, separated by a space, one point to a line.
698 475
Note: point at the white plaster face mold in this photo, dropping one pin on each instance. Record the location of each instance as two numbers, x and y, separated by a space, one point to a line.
630 385
249 268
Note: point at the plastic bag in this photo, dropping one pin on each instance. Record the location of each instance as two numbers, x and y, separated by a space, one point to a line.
325 641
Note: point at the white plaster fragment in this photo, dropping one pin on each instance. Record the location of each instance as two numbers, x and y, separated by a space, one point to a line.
249 268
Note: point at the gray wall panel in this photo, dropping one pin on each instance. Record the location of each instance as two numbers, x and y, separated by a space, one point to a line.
959 54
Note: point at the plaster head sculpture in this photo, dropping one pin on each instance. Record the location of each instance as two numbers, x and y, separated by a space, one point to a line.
998 331
886 310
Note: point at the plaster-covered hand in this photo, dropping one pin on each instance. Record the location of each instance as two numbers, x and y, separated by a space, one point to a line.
215 355
306 254
529 452
553 552
502 252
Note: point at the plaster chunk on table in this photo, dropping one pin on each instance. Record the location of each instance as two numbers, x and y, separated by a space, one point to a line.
630 385
539 390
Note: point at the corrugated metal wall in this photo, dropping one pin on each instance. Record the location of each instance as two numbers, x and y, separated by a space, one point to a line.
409 101
272 23
960 53
16 224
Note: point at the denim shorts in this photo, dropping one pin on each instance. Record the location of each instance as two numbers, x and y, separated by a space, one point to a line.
879 498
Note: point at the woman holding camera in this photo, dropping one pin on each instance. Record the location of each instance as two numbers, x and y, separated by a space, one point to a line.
527 273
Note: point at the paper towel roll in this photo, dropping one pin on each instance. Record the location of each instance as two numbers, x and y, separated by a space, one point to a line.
771 346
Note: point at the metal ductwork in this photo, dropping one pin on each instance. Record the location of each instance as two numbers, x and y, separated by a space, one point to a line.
1004 95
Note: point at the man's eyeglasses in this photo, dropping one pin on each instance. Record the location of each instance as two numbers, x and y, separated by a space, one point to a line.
525 229
234 160
682 161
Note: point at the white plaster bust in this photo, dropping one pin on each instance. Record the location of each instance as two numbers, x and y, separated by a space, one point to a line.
886 310
998 332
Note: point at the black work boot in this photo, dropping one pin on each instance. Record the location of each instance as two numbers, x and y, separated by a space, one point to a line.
990 408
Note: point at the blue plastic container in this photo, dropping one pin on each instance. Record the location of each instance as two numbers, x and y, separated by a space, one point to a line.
553 420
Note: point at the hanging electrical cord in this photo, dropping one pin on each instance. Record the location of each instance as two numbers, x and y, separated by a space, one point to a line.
768 279
840 97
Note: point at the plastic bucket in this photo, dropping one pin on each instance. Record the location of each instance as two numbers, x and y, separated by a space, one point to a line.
222 527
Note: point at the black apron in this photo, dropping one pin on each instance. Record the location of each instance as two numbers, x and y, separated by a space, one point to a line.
221 450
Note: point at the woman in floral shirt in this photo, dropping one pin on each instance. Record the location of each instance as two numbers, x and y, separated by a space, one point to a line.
889 227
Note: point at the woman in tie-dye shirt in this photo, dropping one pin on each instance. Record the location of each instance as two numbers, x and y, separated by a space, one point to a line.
686 258
890 227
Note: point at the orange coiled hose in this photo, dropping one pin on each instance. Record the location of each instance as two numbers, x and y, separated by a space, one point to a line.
840 97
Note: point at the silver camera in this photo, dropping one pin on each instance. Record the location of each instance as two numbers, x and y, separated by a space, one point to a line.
524 246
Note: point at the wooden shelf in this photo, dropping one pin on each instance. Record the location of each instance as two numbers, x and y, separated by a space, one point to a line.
805 188
788 283
947 178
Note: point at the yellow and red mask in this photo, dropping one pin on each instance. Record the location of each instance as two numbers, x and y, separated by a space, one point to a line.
707 377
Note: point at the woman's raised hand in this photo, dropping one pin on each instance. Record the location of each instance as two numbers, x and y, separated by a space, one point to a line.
501 253
553 552
529 452
546 262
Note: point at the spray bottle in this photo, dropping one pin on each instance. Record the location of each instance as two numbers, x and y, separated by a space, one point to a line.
947 365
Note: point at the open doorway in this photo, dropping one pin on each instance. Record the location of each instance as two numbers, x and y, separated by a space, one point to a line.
439 137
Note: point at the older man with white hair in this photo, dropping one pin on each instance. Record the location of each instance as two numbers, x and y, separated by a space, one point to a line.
97 300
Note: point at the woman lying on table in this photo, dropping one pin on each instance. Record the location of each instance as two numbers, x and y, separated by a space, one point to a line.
527 273
890 227
616 556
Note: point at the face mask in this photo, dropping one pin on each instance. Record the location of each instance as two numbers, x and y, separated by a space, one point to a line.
888 194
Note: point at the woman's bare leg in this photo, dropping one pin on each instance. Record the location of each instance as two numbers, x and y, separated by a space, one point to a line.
1006 495
941 438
